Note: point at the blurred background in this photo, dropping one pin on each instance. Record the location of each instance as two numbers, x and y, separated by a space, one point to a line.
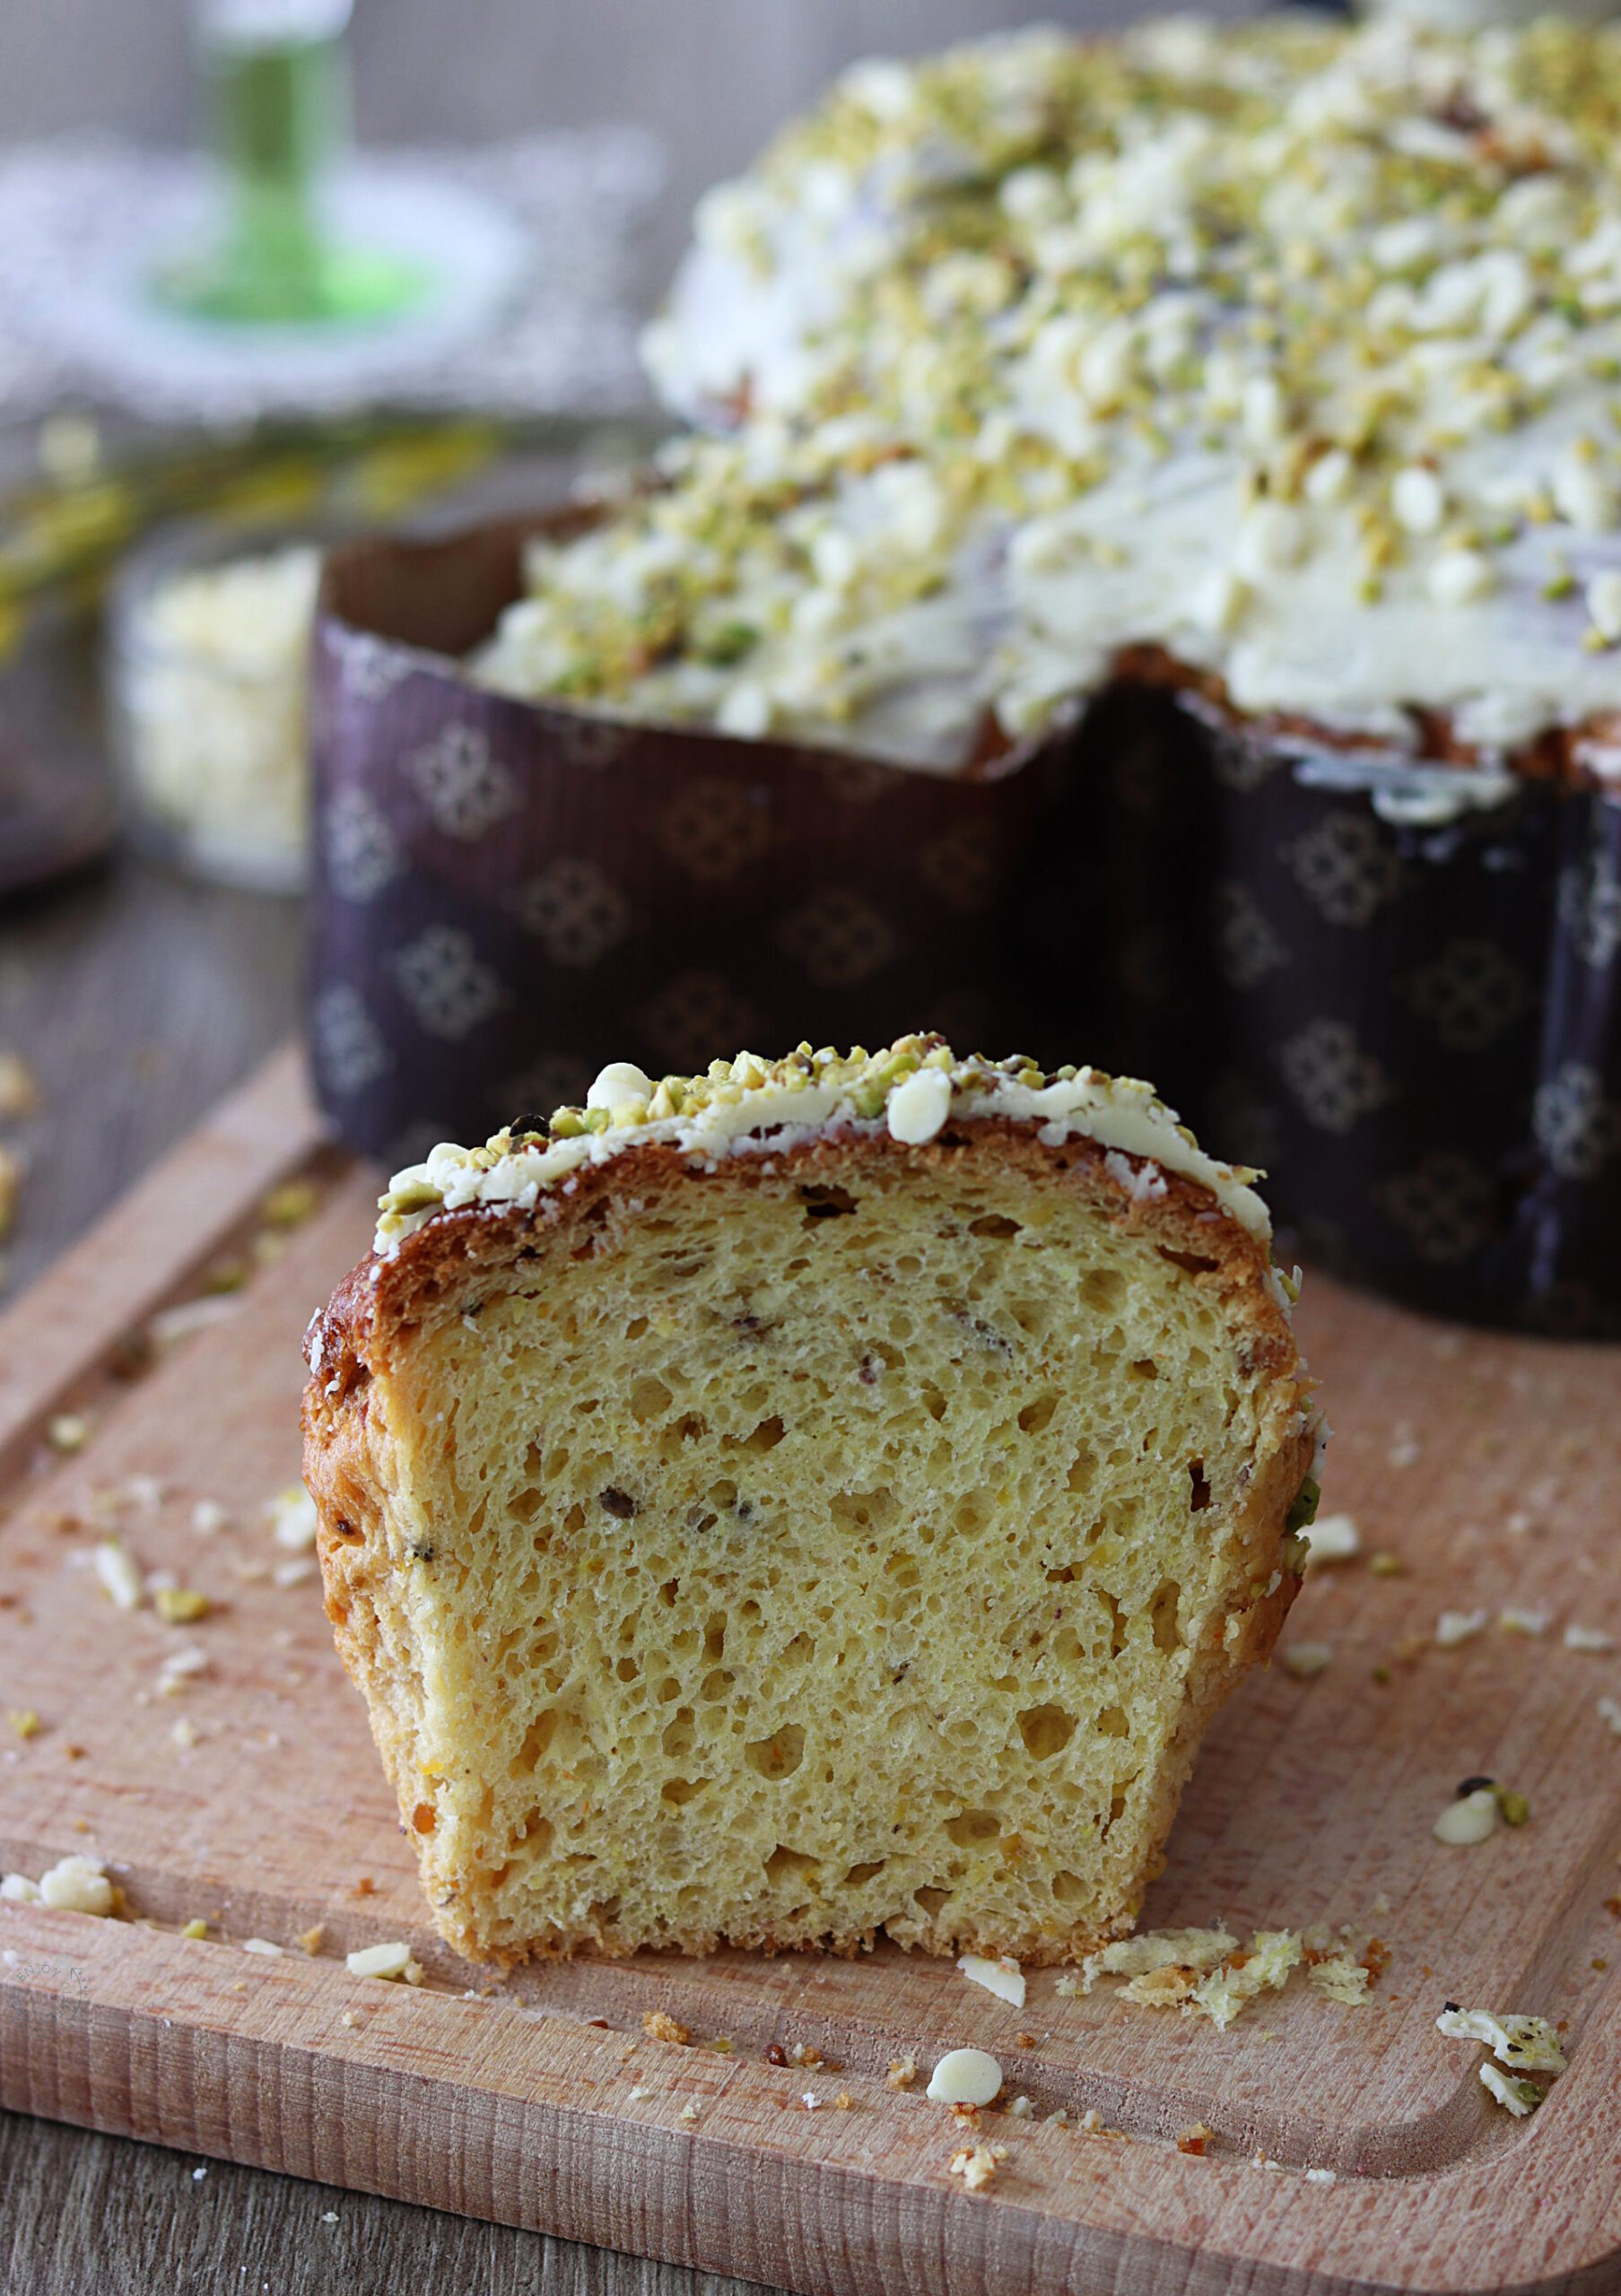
711 78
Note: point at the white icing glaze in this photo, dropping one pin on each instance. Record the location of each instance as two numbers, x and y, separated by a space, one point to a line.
756 1108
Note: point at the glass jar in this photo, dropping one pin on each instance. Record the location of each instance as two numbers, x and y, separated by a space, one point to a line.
208 686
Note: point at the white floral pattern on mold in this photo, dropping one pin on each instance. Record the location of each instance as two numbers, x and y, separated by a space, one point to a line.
463 785
1346 868
1470 995
576 911
965 867
714 828
840 939
551 1080
1577 1129
370 666
446 984
1335 1082
363 853
694 1012
1590 910
576 738
1248 947
1244 1125
1443 1206
349 1048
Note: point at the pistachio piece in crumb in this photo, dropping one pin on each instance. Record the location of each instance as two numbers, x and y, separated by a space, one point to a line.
180 1605
24 1721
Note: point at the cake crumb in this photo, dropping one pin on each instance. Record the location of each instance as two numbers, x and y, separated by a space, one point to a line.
689 2113
1514 1621
1022 2108
843 2101
264 1946
658 2025
193 1929
1322 2176
976 2164
903 2072
803 2053
1588 1638
185 1733
639 2095
68 1431
310 1941
349 2018
1384 1564
1307 1660
1195 2139
24 1721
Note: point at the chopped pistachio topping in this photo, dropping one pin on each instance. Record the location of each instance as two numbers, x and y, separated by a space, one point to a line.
1287 346
751 1105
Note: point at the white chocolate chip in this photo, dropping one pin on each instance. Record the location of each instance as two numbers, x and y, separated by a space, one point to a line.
1332 1538
1468 1820
1458 577
965 2076
620 1084
118 1574
1417 499
1603 595
919 1107
1453 1627
1588 1638
1003 1978
390 1959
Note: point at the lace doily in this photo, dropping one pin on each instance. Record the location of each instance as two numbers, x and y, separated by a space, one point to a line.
532 243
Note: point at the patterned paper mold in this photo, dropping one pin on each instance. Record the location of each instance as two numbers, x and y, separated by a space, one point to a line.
1414 1025
506 891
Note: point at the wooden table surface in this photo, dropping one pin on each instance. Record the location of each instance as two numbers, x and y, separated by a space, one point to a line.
137 999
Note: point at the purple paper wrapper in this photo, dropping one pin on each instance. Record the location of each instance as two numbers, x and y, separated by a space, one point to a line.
508 895
1415 1027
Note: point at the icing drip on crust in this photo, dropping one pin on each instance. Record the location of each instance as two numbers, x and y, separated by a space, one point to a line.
755 1107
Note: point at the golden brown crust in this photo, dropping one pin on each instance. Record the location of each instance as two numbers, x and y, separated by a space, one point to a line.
437 1272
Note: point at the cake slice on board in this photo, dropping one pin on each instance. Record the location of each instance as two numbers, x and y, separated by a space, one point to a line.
821 1499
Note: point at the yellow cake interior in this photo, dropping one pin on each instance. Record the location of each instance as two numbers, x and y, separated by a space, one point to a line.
789 1559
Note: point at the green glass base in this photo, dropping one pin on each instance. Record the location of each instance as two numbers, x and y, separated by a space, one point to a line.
335 287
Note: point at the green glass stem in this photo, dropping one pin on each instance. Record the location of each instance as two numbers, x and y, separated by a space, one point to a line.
278 119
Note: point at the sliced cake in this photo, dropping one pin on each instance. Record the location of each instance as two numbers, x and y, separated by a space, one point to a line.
821 1499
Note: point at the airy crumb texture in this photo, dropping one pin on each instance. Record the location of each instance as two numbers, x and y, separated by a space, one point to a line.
852 1538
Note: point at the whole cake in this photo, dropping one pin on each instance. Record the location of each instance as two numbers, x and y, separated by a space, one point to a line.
810 1502
1278 361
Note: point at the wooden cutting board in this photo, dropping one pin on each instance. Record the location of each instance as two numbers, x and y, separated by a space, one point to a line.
1491 1466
